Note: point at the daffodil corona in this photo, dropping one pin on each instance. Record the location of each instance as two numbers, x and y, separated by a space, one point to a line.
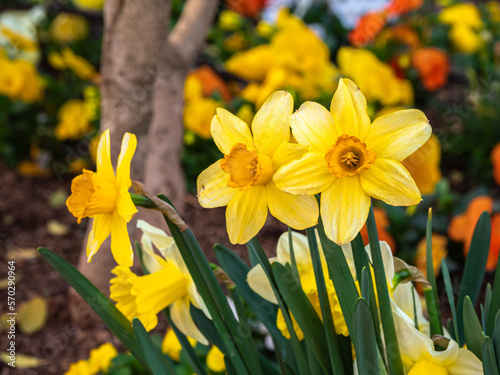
105 197
242 180
351 159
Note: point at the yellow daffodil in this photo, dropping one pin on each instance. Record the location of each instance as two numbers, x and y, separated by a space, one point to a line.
258 281
105 197
215 360
98 362
171 345
67 28
242 180
420 358
73 120
465 38
352 160
168 284
67 59
465 13
19 80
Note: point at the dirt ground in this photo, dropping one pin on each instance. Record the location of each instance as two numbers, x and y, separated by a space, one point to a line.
26 207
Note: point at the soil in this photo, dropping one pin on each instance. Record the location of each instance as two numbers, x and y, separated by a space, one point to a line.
25 211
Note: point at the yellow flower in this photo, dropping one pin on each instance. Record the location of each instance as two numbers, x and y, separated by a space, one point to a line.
67 28
465 14
171 345
73 121
438 252
246 113
168 284
377 80
465 39
235 42
242 180
253 64
19 80
99 361
89 4
68 60
198 115
420 358
215 360
105 197
92 102
229 20
352 160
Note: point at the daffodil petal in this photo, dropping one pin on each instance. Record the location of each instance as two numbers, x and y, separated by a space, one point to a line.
398 134
308 175
344 209
390 182
124 205
101 228
104 166
300 250
466 364
120 242
196 300
181 316
173 254
212 187
387 259
270 126
296 211
129 143
313 125
288 152
246 214
158 236
415 343
258 281
349 110
227 130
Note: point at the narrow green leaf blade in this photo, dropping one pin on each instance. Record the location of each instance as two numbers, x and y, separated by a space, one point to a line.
494 303
472 330
365 342
449 294
490 366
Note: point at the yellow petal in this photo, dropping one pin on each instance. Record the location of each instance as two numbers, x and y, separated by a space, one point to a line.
308 175
227 130
246 214
258 281
104 166
288 152
181 316
270 126
296 211
466 364
398 134
212 187
300 250
390 182
349 110
124 205
215 360
101 228
158 236
313 125
344 209
120 242
129 143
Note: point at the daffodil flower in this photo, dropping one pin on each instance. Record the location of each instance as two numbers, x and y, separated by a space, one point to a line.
168 284
420 358
242 180
352 160
105 197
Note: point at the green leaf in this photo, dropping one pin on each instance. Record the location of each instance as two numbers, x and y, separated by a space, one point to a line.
395 364
360 256
142 201
449 293
472 330
474 269
303 312
107 311
155 361
494 303
365 342
490 366
496 337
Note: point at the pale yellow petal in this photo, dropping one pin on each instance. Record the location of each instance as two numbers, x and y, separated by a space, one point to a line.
125 206
101 228
398 134
158 236
121 247
308 175
227 130
104 166
288 152
212 187
300 250
270 126
344 209
246 214
258 281
129 143
313 125
181 316
466 364
390 182
349 110
296 211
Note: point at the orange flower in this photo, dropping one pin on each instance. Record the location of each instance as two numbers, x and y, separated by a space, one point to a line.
382 224
249 8
397 7
438 252
211 82
402 34
495 159
368 27
462 227
433 66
